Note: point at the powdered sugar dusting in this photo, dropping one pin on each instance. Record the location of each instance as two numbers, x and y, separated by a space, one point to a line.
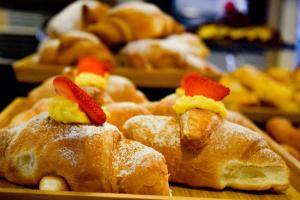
132 155
79 131
230 131
163 130
69 155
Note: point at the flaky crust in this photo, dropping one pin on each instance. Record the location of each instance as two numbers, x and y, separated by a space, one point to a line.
120 112
88 157
69 47
76 16
165 107
132 21
182 51
228 150
122 89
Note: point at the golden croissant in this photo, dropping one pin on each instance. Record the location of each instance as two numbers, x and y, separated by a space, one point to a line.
69 47
89 158
204 150
134 20
76 16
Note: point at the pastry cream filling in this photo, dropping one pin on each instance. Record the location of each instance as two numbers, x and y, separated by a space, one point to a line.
185 103
91 79
64 110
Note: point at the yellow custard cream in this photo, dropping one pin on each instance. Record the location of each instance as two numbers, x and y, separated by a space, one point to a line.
184 103
64 110
91 79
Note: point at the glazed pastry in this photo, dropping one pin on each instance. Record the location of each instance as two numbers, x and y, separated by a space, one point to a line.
239 94
76 16
284 132
68 48
183 51
73 145
120 112
275 93
230 155
89 158
132 21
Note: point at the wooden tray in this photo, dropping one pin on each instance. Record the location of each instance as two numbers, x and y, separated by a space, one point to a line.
27 70
179 192
262 114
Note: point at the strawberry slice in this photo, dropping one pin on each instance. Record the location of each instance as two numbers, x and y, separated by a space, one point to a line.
195 84
67 88
93 65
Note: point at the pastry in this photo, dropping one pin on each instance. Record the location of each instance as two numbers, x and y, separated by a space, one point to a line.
183 51
166 107
119 88
69 47
72 145
284 132
239 94
76 16
268 90
120 112
134 20
203 149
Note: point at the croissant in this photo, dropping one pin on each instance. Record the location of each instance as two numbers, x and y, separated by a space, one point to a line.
87 157
120 112
204 150
118 88
183 51
76 16
132 21
165 107
122 89
68 48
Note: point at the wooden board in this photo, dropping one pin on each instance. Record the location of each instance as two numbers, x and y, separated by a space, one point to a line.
262 114
20 104
27 70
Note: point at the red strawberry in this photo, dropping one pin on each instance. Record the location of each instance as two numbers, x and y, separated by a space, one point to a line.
195 84
93 65
67 88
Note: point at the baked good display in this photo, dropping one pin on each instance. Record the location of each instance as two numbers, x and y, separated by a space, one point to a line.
70 47
119 88
183 51
203 149
275 88
134 20
71 147
117 93
76 16
234 27
283 131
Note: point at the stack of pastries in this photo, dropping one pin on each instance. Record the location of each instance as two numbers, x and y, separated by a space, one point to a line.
135 35
82 138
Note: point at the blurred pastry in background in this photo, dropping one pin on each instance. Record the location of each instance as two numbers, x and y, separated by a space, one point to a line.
76 16
183 51
68 48
134 20
239 94
282 130
268 90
